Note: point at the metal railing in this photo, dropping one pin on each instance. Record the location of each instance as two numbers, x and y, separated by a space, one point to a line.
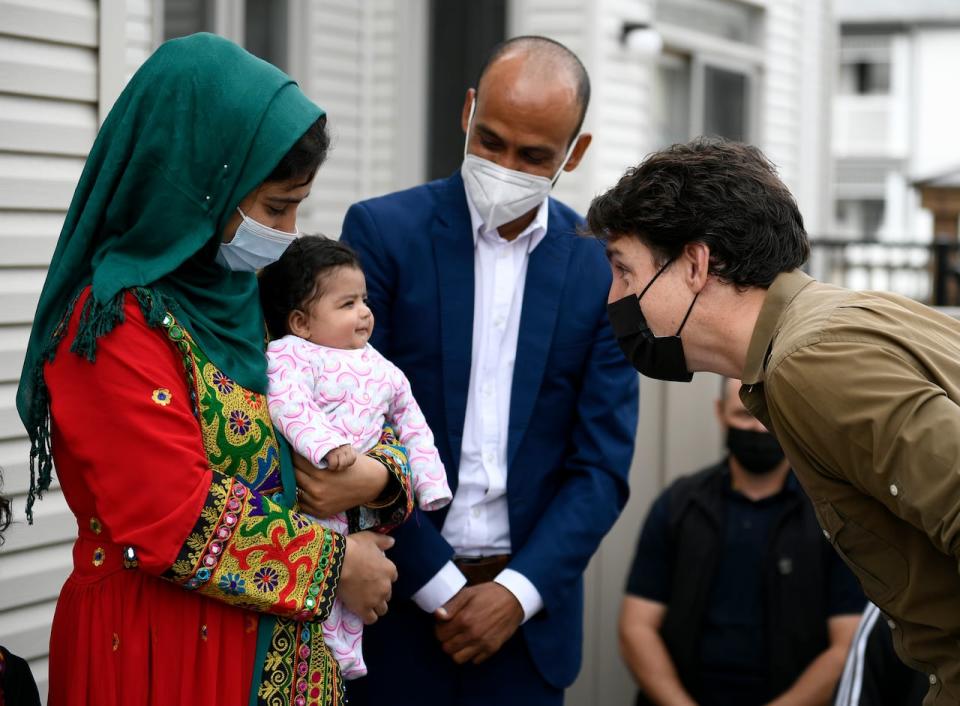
927 272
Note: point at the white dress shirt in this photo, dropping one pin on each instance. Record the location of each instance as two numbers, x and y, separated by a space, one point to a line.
478 523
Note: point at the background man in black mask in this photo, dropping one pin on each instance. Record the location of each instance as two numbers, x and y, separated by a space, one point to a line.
734 597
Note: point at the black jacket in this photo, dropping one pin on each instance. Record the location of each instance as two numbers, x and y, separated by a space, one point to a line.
795 573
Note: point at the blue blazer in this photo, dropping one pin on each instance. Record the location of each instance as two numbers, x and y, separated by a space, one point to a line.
573 409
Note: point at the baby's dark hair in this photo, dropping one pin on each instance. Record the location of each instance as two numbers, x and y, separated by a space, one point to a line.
298 277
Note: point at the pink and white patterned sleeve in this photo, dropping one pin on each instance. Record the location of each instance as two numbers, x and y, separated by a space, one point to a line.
429 475
293 408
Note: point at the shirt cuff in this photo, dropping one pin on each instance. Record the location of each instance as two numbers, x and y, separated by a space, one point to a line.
444 585
523 590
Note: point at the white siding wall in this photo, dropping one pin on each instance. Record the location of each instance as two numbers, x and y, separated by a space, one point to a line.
795 108
48 118
363 63
936 52
51 100
139 33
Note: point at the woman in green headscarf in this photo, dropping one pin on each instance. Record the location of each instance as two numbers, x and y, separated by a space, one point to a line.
195 579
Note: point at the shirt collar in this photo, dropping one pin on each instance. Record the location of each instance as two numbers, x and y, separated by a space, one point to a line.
783 290
537 230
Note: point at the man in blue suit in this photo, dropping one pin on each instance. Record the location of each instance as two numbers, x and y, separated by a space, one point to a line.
485 296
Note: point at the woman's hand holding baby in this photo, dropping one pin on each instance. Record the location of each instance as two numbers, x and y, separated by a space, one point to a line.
324 494
367 576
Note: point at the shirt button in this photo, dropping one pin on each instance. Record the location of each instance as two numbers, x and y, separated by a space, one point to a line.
933 679
826 534
892 625
894 491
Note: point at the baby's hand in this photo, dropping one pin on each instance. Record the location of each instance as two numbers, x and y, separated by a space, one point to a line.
341 458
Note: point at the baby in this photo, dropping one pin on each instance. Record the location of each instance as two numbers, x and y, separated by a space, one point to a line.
330 392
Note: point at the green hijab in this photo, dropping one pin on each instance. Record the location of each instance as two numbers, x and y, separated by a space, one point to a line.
198 127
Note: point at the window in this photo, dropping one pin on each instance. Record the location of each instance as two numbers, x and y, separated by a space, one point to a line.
260 26
183 17
863 78
706 78
265 31
694 96
672 100
726 103
859 218
461 36
864 65
725 19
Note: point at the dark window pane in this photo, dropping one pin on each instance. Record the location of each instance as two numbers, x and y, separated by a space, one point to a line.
726 102
461 36
672 105
183 17
872 78
265 29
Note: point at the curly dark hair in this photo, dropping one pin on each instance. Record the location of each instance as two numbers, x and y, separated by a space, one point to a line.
724 194
297 278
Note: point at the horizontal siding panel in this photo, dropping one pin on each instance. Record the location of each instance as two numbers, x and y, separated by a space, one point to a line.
53 524
339 43
48 121
28 237
46 126
26 632
332 18
15 460
140 8
10 426
13 343
38 182
37 575
19 294
40 69
73 22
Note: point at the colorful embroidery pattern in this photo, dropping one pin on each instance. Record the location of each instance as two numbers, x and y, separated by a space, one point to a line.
237 431
246 549
299 669
389 452
161 396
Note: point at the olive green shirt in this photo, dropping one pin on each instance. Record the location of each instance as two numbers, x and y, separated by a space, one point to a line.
862 391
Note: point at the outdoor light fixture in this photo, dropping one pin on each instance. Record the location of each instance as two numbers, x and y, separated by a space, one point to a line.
641 38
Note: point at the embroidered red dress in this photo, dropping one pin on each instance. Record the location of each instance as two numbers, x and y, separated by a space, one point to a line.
170 467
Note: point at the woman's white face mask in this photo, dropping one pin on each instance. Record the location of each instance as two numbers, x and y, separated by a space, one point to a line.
502 195
254 246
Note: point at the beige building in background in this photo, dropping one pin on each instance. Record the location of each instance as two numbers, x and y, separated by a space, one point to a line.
758 70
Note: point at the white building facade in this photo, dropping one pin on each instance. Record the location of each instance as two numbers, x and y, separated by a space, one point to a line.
894 115
758 70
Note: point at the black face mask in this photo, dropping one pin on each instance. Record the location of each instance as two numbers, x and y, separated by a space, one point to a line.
658 357
758 452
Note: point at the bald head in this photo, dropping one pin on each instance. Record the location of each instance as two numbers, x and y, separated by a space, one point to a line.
540 62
